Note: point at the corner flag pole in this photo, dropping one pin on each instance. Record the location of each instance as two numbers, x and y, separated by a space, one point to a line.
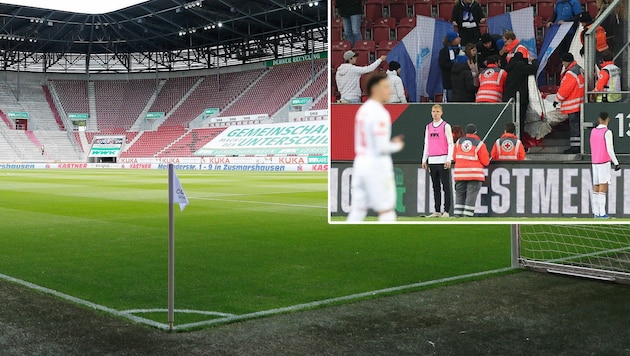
171 249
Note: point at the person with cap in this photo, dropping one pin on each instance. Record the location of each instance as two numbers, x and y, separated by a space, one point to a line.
511 46
491 82
608 80
601 44
471 157
467 15
398 90
349 76
437 157
570 96
351 12
602 154
463 80
487 47
518 70
446 58
508 147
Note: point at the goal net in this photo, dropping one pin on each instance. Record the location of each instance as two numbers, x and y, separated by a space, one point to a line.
594 251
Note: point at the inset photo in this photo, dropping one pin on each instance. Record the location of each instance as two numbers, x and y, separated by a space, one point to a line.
464 117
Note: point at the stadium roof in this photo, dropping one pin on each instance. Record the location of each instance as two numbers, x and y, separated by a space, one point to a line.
80 6
245 30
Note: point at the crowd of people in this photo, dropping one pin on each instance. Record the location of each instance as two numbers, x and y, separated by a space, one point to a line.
493 68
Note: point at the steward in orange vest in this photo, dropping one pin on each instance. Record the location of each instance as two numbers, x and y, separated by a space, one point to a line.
471 157
600 34
571 96
512 46
491 82
508 147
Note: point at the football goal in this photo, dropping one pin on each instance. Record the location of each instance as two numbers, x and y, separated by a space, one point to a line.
593 251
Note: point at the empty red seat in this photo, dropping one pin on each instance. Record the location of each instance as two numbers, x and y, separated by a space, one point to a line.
365 45
545 8
337 29
364 49
445 9
423 7
373 9
496 7
406 25
398 8
520 4
383 49
549 89
381 31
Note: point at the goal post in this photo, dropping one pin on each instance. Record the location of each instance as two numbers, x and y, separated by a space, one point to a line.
591 251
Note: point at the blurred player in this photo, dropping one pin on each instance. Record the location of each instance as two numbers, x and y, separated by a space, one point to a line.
373 184
602 153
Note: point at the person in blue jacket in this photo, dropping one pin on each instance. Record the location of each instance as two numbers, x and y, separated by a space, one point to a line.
565 11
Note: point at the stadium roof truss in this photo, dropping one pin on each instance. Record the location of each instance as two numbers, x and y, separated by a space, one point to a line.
163 35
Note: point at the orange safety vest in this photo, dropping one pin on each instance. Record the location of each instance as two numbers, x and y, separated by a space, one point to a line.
600 38
471 156
516 46
571 91
491 84
508 147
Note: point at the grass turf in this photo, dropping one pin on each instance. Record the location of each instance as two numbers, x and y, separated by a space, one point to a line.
247 242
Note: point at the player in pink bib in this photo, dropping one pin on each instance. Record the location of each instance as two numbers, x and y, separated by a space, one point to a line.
602 154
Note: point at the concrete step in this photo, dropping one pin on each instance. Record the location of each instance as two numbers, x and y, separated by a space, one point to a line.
556 157
547 150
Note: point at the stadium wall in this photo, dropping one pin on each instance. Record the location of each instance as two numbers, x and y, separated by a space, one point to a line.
512 190
252 166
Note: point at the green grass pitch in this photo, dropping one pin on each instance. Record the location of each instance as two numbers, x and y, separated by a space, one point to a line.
247 242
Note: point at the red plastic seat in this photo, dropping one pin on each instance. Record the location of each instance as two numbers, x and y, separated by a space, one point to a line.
545 8
365 45
549 89
381 31
423 7
374 9
496 7
338 48
398 8
364 49
445 9
404 27
383 49
520 4
337 29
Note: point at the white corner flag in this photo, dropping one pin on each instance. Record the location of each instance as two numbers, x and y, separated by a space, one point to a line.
179 195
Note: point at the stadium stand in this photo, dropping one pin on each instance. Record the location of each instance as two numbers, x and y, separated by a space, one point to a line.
266 96
213 93
119 103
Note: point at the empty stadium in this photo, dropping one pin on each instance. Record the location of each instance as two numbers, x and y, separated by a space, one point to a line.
149 72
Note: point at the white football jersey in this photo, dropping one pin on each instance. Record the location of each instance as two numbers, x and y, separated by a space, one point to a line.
372 131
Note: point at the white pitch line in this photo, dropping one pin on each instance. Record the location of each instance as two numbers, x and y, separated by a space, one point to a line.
83 302
182 311
263 203
319 303
232 317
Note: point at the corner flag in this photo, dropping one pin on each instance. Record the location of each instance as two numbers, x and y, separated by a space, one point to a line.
179 195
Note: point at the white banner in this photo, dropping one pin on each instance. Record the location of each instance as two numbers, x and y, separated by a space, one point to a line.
309 138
